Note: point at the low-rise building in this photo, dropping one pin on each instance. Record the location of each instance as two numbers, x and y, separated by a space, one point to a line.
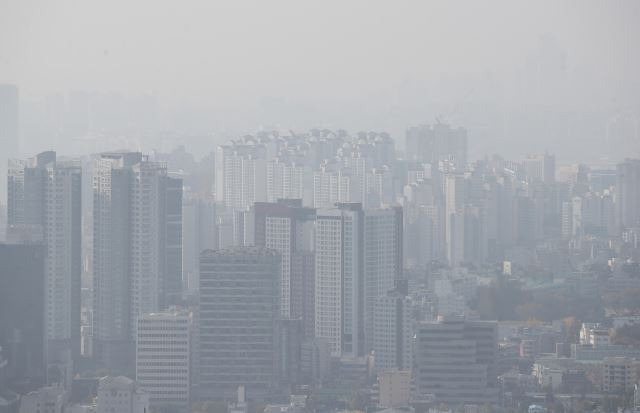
591 353
121 394
80 408
594 334
394 388
548 377
240 405
618 374
44 400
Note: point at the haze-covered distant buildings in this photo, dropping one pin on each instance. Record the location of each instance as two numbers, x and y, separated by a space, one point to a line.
322 263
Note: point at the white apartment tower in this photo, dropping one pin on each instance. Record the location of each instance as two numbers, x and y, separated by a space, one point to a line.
285 180
44 201
454 218
199 233
156 238
137 248
287 227
240 175
358 259
331 186
339 308
382 260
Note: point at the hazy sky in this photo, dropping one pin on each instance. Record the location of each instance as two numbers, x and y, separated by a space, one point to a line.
233 49
370 63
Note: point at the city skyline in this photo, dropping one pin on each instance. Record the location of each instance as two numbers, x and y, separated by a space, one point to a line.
319 207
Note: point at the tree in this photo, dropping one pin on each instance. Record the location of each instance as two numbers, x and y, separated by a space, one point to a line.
627 335
625 300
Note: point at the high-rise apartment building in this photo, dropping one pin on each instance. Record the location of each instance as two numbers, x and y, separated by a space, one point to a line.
382 260
339 282
137 243
379 190
455 360
454 204
120 394
333 184
358 258
423 233
572 214
540 167
241 175
627 194
44 201
199 233
22 315
163 358
238 321
393 332
112 176
287 227
285 180
433 143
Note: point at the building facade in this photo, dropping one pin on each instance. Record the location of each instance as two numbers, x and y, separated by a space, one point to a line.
120 394
163 358
456 361
238 321
393 332
339 278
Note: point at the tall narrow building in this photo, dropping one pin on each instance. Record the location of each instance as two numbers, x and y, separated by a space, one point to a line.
241 174
627 194
382 260
339 279
454 204
287 227
285 180
22 314
393 332
438 142
199 233
45 204
136 248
